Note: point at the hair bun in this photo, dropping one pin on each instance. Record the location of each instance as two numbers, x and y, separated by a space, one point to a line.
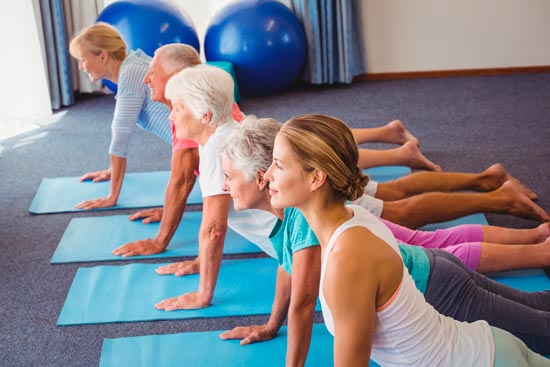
356 184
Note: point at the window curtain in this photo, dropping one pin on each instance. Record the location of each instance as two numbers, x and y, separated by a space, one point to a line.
57 55
334 43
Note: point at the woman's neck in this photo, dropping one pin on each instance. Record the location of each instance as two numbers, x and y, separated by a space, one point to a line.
205 134
324 219
113 70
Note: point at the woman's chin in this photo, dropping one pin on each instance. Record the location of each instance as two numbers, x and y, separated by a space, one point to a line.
239 207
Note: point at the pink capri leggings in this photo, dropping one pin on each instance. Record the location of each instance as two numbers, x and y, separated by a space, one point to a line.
462 241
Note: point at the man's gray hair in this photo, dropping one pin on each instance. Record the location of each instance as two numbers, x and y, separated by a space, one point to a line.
175 57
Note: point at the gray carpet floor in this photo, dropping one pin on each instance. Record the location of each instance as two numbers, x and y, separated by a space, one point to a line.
464 124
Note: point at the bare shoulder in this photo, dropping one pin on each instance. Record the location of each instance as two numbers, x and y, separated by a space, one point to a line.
359 243
361 260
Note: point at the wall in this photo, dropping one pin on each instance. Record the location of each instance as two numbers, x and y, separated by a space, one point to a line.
428 35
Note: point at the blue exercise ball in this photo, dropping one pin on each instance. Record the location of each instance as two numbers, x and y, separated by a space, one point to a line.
149 24
263 39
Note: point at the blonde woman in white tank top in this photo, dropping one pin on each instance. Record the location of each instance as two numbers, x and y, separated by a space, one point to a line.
370 303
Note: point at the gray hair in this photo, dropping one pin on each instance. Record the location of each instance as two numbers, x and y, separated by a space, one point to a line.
203 89
250 146
174 57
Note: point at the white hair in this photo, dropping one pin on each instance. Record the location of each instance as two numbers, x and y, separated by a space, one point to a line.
174 57
203 89
250 146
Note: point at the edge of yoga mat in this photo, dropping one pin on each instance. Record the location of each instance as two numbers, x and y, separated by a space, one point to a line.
139 190
468 219
206 349
93 239
529 280
128 293
386 173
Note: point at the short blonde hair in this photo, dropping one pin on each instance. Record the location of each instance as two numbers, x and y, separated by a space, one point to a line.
97 37
203 89
326 143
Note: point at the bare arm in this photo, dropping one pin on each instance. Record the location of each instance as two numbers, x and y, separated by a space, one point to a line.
363 273
306 271
211 240
116 174
350 291
304 287
256 333
179 186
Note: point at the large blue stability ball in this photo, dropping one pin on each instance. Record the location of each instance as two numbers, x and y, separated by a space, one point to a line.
263 39
149 24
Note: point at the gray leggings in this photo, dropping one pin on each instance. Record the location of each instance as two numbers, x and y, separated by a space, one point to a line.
458 292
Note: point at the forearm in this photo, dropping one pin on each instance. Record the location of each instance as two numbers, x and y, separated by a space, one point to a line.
210 254
300 324
281 300
306 271
175 200
182 180
118 169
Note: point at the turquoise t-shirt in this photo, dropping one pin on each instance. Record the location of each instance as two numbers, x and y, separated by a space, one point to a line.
290 235
417 262
294 234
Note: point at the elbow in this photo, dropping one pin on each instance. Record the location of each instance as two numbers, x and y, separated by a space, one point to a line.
214 232
305 303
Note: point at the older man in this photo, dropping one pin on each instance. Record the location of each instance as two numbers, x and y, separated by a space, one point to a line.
169 60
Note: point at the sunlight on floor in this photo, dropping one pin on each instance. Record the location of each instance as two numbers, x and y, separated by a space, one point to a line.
11 127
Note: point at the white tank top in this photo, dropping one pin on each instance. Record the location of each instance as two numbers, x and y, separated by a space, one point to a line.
409 331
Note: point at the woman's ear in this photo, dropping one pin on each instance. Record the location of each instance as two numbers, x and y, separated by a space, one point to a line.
318 178
206 118
261 181
103 55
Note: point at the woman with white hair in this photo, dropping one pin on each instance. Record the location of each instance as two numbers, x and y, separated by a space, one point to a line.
202 99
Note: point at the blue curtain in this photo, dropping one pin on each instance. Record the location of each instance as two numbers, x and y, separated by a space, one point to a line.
57 55
334 43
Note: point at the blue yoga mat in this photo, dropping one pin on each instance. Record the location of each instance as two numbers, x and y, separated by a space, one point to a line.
206 349
106 294
139 190
469 219
387 173
93 239
532 280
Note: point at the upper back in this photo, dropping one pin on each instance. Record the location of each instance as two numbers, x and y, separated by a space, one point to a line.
409 331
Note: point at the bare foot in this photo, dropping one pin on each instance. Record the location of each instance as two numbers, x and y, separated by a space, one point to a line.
415 158
520 204
399 134
498 175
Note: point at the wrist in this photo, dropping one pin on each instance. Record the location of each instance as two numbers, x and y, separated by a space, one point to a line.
160 243
204 298
273 326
